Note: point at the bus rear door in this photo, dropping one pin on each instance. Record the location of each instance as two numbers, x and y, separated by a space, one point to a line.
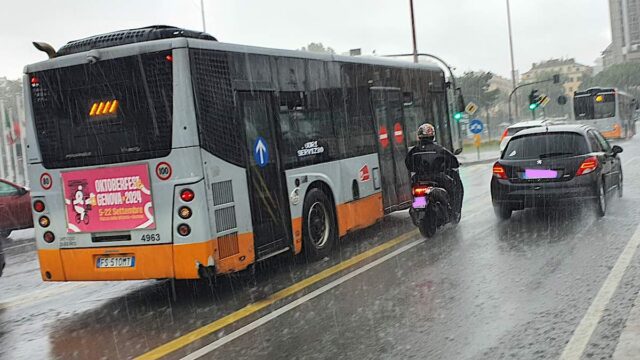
267 191
392 149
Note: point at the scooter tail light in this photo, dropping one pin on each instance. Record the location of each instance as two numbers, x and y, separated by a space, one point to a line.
420 190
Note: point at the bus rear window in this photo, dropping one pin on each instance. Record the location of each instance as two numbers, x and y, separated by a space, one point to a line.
604 106
112 111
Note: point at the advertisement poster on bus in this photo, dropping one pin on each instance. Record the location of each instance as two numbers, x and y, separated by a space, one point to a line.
108 199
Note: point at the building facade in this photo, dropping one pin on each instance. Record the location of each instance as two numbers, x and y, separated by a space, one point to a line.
571 73
625 32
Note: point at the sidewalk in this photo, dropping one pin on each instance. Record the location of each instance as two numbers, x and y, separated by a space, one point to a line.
471 157
628 347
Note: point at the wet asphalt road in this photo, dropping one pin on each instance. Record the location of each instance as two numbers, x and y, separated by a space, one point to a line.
484 290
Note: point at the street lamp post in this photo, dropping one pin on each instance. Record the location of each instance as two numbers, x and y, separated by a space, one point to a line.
513 65
204 24
413 33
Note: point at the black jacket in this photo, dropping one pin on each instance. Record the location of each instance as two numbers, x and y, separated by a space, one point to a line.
443 159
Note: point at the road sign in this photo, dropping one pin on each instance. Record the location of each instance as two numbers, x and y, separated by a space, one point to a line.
545 100
364 173
471 108
477 140
384 137
261 152
476 126
398 134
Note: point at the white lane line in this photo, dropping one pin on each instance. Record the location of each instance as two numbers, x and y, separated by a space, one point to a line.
294 304
587 325
629 161
38 295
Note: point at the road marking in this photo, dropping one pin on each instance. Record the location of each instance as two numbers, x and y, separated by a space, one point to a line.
38 295
250 309
629 161
587 325
294 304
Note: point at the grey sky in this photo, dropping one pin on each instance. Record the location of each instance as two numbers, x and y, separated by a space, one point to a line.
470 34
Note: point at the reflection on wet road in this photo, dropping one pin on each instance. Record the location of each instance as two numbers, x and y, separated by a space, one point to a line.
485 289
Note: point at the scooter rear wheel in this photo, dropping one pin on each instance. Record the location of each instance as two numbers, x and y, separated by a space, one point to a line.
428 225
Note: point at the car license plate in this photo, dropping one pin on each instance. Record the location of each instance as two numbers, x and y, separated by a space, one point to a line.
116 262
420 202
540 174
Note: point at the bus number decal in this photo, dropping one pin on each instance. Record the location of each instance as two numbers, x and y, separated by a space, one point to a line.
150 237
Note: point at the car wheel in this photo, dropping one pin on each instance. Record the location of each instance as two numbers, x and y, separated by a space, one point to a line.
318 226
620 184
503 212
601 201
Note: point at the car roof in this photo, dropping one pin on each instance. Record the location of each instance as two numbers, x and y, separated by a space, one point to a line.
574 128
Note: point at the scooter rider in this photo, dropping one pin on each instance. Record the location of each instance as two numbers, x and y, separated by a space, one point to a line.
442 171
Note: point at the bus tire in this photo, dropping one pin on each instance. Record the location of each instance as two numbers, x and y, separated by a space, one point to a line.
319 231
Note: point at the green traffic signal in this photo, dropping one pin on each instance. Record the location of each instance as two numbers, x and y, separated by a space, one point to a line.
458 116
533 106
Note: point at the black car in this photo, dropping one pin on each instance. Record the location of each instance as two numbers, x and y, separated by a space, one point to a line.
555 165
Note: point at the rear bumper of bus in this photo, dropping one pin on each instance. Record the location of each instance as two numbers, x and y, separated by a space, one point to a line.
616 133
179 261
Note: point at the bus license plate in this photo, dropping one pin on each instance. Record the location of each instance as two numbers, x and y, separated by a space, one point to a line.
116 261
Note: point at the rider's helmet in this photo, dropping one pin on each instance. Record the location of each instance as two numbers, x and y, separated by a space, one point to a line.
426 132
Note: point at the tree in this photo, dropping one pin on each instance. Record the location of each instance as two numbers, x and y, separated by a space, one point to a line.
475 88
625 77
318 48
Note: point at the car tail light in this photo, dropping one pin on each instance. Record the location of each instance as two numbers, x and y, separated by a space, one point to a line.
187 195
420 190
49 237
44 221
184 229
499 171
38 206
588 166
184 212
504 134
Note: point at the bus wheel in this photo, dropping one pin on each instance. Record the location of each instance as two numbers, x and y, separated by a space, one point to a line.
318 225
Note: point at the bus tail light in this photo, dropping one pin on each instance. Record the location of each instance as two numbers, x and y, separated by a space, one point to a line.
499 171
38 206
184 212
49 237
588 166
184 230
187 195
44 221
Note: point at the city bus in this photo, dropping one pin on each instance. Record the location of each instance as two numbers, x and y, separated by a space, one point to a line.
611 111
162 153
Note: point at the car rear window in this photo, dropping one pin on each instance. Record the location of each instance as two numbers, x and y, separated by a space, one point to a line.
546 145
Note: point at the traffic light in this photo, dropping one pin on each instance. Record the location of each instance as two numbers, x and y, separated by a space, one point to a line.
458 116
534 99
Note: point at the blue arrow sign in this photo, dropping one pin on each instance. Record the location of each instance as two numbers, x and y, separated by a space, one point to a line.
476 126
261 152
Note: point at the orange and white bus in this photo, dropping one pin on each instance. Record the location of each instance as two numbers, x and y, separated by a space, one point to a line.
163 153
609 110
